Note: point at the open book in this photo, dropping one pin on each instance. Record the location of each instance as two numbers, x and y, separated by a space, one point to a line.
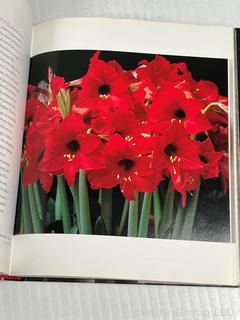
118 150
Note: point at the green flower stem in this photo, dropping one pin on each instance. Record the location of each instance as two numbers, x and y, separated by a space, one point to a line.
100 227
143 225
27 218
140 202
58 212
133 218
66 218
100 197
75 192
178 221
37 223
85 217
156 212
74 229
20 224
38 201
123 217
190 216
106 209
222 106
167 213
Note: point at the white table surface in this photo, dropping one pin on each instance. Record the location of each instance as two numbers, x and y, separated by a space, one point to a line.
75 301
56 300
215 12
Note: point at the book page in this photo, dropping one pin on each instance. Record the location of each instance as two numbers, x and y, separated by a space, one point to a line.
130 148
15 39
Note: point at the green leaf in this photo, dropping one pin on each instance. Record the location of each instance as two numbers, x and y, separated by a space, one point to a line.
37 223
106 209
58 211
50 215
100 197
75 193
27 218
74 229
49 218
68 102
156 212
85 217
177 227
133 218
167 213
100 227
187 229
51 205
66 218
64 102
61 105
144 219
38 201
119 230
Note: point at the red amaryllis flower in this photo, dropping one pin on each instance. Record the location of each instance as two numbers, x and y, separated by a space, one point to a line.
191 180
69 148
180 77
210 159
121 122
223 100
32 171
33 154
155 71
56 84
32 106
205 91
142 97
172 105
75 92
147 79
178 154
117 67
161 73
125 168
104 88
224 172
45 120
60 99
219 131
140 107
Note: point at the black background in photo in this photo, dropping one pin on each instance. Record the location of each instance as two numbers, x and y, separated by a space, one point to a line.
212 219
73 64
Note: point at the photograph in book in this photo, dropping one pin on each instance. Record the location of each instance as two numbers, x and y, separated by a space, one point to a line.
126 144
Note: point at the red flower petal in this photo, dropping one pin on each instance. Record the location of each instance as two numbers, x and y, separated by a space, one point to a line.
88 143
127 189
206 92
102 179
46 181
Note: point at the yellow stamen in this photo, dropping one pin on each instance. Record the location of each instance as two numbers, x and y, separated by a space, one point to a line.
191 180
69 156
145 135
173 158
104 96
